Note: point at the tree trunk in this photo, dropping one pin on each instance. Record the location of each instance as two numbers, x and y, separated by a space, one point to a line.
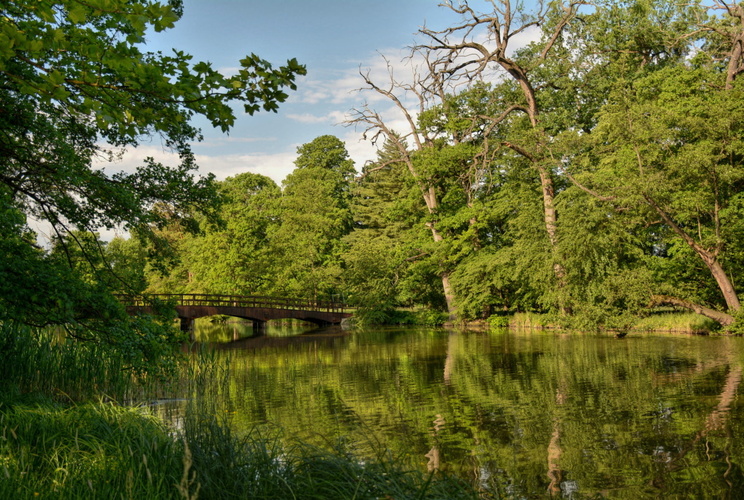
710 258
718 316
724 283
449 294
551 218
449 297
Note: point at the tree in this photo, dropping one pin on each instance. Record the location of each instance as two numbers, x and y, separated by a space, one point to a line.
431 171
666 148
676 160
388 256
456 53
235 257
463 123
315 215
76 86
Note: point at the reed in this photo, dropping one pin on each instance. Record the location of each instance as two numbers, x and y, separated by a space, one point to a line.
530 320
100 450
43 361
94 450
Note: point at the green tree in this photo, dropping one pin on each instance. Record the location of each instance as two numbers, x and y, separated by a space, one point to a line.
76 86
665 152
676 161
127 260
387 259
235 257
315 215
480 44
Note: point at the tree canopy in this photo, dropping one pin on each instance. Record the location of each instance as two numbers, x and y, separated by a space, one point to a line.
77 86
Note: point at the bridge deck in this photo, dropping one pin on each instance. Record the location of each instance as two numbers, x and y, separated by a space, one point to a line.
258 309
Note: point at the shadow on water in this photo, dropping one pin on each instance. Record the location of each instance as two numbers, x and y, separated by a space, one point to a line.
238 334
318 335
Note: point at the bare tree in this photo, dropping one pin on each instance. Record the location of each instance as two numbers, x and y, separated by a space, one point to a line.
478 48
733 35
451 61
376 127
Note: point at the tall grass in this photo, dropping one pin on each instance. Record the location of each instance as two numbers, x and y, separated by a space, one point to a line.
86 451
42 361
107 451
529 320
677 322
670 322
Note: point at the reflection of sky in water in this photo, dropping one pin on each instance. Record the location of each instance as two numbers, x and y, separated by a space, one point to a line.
521 414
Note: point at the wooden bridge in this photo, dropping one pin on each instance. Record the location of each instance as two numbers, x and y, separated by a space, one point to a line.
257 309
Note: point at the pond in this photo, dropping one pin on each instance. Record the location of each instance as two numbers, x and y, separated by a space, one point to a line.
527 414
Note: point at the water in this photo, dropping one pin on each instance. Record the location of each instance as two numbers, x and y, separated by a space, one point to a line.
522 414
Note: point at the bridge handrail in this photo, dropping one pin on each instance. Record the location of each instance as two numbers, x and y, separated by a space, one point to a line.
201 299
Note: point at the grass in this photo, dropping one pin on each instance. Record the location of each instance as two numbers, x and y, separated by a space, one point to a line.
42 362
530 320
59 438
100 450
677 322
662 322
85 451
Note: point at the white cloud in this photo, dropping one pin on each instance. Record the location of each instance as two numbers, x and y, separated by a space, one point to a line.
223 140
276 166
132 158
332 118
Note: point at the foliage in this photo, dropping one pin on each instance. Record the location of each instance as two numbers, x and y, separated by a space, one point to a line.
315 215
49 363
76 89
236 257
498 321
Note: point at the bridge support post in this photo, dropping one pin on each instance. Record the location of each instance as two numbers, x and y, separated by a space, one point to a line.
258 325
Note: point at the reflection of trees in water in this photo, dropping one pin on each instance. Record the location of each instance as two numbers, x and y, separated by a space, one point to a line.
555 475
434 455
487 406
715 423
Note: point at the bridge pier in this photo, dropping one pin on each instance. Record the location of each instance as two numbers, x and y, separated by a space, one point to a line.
187 324
258 325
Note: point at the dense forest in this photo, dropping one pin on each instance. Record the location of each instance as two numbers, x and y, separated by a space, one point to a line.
592 174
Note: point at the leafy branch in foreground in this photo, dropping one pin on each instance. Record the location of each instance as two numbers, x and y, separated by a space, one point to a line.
77 88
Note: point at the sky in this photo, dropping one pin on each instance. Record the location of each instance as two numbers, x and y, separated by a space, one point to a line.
333 38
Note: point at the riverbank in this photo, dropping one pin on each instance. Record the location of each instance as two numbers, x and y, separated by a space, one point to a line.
101 450
666 322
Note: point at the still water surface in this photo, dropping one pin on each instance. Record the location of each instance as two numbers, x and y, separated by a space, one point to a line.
524 414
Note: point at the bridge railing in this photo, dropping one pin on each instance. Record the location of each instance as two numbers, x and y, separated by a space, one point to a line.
199 299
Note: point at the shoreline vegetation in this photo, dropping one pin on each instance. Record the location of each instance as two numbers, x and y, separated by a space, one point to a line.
658 322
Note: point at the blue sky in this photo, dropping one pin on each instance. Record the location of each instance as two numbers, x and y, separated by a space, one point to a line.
333 38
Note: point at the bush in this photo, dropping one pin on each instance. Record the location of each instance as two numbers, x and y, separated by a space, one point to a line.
497 321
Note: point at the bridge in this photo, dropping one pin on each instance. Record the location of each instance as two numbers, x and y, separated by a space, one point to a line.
257 309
